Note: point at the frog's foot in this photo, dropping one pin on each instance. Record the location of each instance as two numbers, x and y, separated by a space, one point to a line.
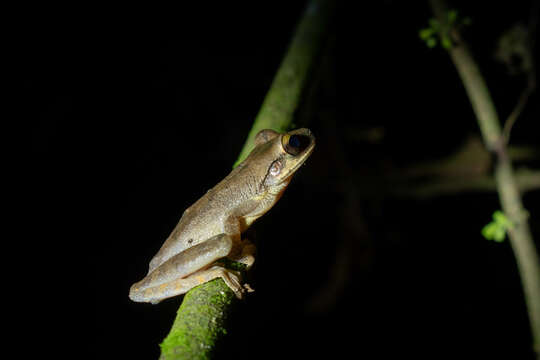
247 256
230 277
248 288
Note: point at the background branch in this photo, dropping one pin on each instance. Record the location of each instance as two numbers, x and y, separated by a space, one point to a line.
530 70
486 115
200 320
526 180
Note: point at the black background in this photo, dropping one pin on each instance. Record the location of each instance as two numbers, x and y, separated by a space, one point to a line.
130 113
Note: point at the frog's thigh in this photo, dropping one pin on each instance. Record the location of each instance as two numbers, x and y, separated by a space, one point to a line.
179 266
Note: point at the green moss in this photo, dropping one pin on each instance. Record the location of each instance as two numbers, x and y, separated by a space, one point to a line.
232 265
201 319
199 322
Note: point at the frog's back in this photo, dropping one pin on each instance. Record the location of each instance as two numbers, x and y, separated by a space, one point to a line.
205 218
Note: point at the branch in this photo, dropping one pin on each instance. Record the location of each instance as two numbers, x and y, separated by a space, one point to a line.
285 93
201 318
486 115
531 73
512 118
526 180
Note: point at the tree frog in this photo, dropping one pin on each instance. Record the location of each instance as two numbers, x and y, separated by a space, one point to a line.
211 228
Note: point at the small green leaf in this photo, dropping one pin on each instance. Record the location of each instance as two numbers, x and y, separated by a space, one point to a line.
496 229
452 16
500 218
446 42
431 42
426 33
434 24
499 234
488 231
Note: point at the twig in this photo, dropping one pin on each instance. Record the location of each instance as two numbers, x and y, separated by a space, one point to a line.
486 115
200 320
531 76
511 120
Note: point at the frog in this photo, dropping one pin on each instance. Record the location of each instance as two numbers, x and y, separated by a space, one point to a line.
210 231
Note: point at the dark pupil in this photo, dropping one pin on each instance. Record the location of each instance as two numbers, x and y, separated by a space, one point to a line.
294 141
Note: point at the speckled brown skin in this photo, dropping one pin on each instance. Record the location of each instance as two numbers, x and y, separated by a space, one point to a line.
211 228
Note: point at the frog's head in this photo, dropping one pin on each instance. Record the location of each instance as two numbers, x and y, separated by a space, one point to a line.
276 157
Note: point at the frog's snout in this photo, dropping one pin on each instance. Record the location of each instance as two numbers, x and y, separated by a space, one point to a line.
136 293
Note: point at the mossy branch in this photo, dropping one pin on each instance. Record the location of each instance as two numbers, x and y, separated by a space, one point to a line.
200 320
283 97
507 187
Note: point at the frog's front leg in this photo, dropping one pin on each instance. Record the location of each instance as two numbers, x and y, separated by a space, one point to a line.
171 278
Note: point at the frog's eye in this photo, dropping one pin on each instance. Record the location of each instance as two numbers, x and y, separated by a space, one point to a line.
293 144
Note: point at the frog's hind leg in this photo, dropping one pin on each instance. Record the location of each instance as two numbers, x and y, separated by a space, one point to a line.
156 284
181 286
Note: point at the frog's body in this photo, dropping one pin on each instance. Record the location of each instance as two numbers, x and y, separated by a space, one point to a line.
211 228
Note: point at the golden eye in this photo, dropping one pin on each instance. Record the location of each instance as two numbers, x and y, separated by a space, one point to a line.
292 144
